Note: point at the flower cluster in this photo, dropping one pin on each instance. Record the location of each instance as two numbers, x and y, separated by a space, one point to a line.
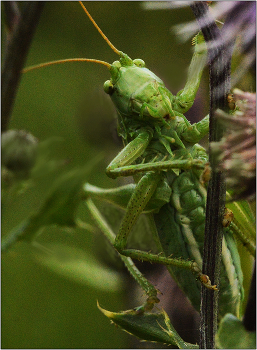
235 153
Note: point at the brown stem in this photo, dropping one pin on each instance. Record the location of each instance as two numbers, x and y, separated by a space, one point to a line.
219 58
12 14
22 26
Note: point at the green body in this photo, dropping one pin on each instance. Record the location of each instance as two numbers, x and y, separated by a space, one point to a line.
162 154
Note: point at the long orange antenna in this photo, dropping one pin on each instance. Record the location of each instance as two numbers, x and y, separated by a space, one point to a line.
41 65
99 30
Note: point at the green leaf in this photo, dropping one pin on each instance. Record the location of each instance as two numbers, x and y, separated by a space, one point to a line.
61 205
78 265
155 327
233 335
59 208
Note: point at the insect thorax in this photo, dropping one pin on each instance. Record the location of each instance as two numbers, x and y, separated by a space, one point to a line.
140 94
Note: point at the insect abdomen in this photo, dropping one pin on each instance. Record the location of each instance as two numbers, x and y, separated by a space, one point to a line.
180 226
174 224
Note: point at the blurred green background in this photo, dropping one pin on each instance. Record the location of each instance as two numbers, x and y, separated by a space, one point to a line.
66 109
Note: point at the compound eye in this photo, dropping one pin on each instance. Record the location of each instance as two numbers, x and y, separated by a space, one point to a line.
108 87
116 64
138 62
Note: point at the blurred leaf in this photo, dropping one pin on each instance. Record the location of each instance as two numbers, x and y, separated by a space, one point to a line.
78 265
155 327
59 208
48 159
46 169
233 335
61 205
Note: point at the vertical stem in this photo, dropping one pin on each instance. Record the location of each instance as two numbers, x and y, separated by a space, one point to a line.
219 58
12 14
18 43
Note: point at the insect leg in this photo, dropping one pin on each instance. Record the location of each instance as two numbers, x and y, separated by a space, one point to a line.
131 152
137 203
120 196
142 194
139 199
158 166
136 274
196 131
185 98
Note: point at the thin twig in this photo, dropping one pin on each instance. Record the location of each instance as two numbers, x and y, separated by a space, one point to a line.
18 43
219 59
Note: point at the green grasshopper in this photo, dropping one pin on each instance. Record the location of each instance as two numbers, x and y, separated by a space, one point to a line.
162 153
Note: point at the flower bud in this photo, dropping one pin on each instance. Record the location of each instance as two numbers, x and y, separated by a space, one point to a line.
19 151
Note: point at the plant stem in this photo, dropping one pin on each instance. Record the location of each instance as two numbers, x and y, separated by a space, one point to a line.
12 15
18 42
219 58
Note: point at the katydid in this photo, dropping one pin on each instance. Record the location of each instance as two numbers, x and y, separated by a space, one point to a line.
162 153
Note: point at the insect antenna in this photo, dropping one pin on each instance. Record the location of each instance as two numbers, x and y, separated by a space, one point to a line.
99 30
41 65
